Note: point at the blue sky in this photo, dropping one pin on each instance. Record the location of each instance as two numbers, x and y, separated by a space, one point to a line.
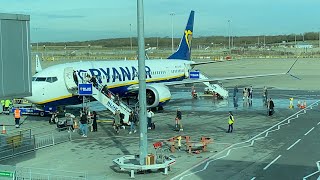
77 20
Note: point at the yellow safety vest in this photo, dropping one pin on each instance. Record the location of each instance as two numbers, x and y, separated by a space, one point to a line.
7 103
2 102
231 121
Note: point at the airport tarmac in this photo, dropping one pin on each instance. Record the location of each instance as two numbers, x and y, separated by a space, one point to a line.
204 116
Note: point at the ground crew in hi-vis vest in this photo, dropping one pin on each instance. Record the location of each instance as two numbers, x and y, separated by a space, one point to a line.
17 115
230 122
7 104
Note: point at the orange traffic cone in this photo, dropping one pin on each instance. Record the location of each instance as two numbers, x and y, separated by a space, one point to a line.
304 104
4 131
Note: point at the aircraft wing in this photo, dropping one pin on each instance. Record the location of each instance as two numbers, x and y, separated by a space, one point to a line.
191 81
205 62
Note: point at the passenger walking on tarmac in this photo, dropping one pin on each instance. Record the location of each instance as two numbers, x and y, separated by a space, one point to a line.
132 120
230 122
250 89
235 102
270 107
121 121
194 92
116 122
235 91
17 115
245 94
83 125
94 121
150 114
245 97
70 121
265 95
178 120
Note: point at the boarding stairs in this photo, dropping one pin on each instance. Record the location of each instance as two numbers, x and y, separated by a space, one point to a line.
105 99
108 100
217 88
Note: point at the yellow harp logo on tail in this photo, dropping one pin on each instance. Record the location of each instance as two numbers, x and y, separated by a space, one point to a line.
188 36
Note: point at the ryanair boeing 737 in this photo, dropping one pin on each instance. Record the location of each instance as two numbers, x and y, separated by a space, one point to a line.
52 87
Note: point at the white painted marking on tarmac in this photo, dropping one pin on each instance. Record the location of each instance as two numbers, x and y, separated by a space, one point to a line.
253 178
304 178
318 165
216 157
271 162
318 123
309 131
294 144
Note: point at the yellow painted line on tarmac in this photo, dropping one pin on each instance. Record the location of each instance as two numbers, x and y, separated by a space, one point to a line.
105 120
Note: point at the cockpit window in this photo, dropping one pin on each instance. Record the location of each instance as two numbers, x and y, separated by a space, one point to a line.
41 79
54 79
45 79
51 79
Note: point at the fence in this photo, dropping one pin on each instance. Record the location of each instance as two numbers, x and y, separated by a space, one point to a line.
26 173
13 145
16 144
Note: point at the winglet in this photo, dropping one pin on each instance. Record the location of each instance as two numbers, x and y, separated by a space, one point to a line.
288 72
38 65
292 66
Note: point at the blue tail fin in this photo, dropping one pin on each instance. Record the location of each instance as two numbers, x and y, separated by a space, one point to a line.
184 50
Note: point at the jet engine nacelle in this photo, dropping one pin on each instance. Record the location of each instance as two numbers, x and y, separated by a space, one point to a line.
156 94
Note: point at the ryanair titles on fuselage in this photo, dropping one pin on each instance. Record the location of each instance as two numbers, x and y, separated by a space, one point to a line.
113 74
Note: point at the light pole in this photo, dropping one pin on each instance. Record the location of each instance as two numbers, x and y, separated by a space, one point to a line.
157 42
229 37
172 14
36 29
143 145
89 46
130 39
319 38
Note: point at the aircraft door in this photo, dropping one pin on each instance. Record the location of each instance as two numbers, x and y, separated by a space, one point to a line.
186 70
68 78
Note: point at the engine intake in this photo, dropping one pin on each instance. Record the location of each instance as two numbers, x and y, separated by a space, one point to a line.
156 93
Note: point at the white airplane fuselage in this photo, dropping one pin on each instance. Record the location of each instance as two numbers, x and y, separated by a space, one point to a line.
49 86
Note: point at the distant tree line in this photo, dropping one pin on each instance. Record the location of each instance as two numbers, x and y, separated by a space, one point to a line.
209 41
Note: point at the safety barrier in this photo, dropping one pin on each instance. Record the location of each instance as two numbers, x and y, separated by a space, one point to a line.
12 145
27 173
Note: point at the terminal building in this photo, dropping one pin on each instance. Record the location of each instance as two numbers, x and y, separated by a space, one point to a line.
303 45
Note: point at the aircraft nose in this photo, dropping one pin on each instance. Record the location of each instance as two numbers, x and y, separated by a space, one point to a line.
36 94
30 99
